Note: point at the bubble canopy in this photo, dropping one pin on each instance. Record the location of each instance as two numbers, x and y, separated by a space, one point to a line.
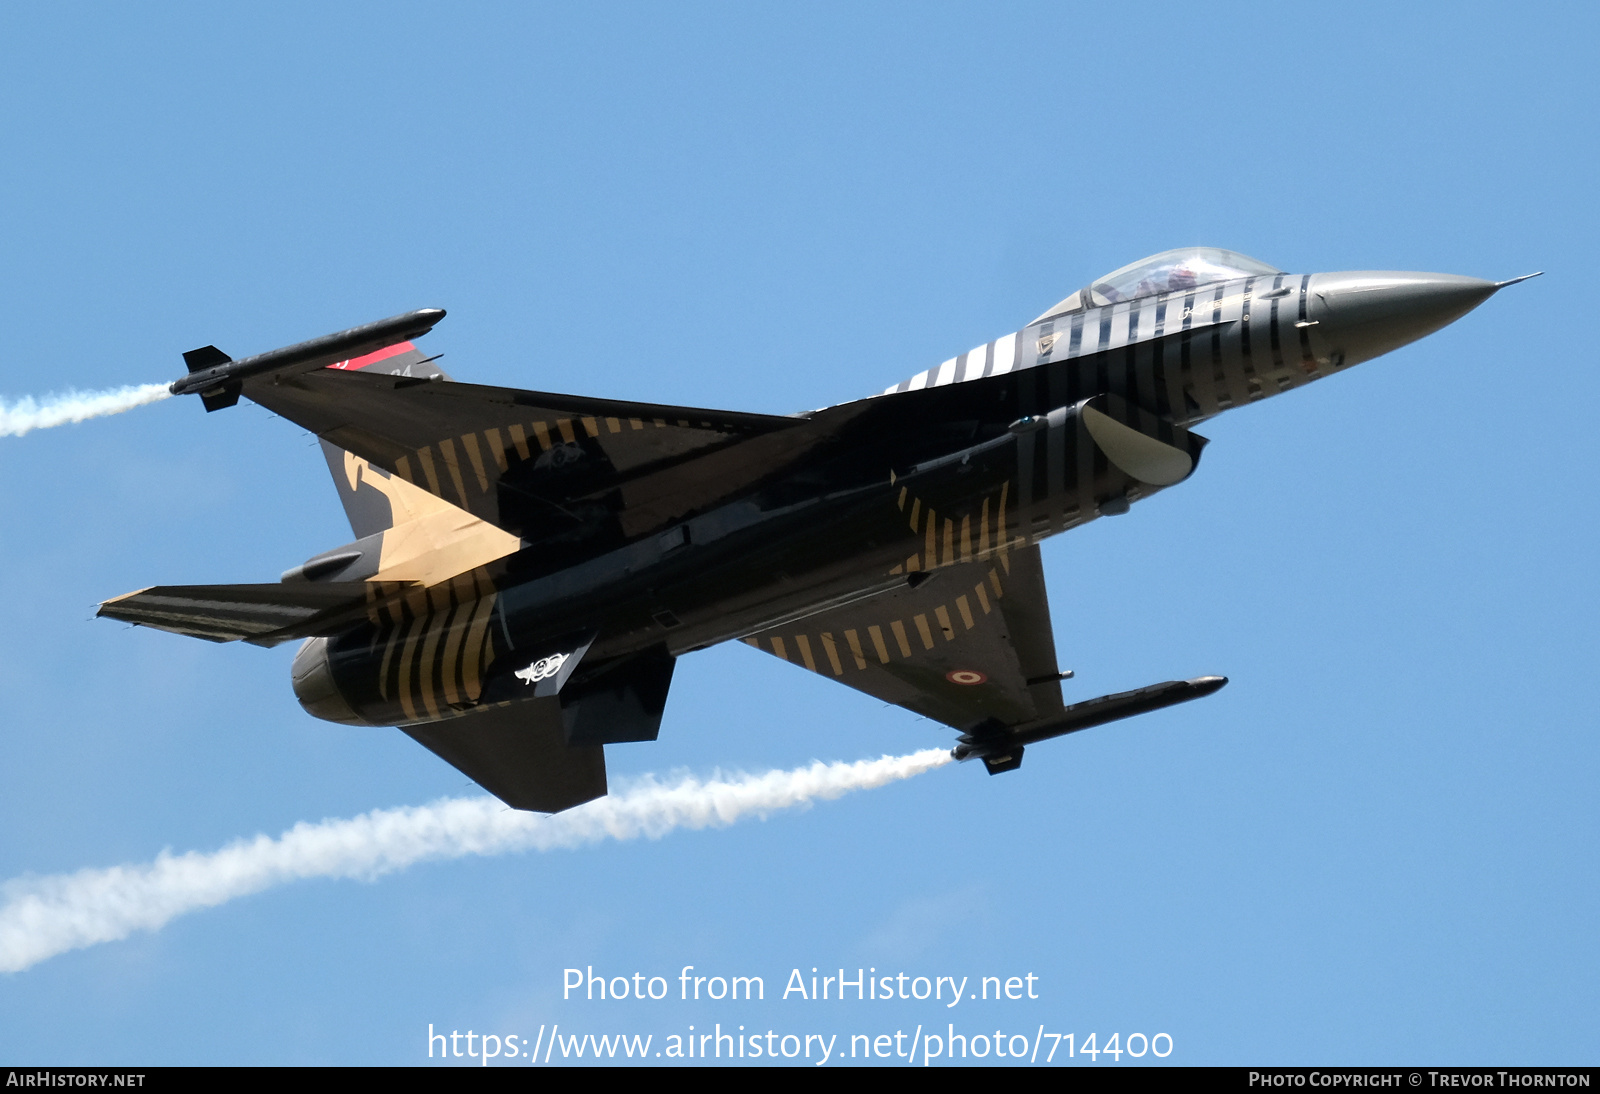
1170 271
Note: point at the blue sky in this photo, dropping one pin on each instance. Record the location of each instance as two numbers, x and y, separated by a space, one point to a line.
1377 845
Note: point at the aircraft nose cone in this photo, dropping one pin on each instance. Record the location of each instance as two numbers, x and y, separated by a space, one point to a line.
1367 313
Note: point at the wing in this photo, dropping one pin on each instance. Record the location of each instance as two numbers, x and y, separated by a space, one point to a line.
520 459
517 752
971 644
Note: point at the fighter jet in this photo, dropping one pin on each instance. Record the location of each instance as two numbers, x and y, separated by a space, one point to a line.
527 567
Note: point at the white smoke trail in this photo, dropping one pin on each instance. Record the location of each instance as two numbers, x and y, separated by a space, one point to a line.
45 916
74 406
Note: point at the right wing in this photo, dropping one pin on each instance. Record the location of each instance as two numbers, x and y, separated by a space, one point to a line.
970 644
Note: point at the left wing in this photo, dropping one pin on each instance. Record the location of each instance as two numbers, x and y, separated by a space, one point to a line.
517 459
970 644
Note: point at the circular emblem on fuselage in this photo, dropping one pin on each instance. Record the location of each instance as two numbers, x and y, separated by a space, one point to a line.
967 677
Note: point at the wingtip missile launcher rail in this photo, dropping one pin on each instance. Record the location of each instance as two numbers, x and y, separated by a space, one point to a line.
219 380
1000 747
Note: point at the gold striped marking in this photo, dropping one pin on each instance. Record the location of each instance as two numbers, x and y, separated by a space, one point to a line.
875 633
430 648
591 427
930 548
425 454
636 423
477 632
912 564
900 638
966 539
407 656
832 652
902 501
965 610
854 639
949 541
447 450
922 629
497 448
383 667
661 423
756 642
417 601
983 597
944 623
1005 563
541 432
396 604
916 510
804 645
469 441
900 569
389 611
565 426
614 424
439 596
402 468
994 579
520 439
777 648
983 530
455 631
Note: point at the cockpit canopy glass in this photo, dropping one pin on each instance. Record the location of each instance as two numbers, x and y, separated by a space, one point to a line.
1170 271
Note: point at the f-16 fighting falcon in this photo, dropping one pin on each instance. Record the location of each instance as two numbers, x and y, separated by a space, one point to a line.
527 567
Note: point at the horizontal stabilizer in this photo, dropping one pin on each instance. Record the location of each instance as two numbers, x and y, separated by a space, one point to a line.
517 753
228 613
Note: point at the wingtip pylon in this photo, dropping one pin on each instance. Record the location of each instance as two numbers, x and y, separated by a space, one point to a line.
1000 748
219 380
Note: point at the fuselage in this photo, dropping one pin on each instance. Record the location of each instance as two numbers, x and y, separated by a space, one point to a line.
1075 416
